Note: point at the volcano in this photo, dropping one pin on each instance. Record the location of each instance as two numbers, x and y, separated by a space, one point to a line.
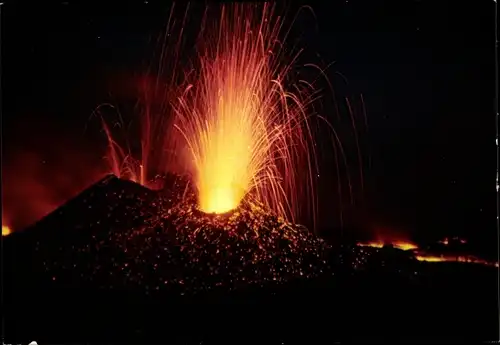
121 261
118 245
118 234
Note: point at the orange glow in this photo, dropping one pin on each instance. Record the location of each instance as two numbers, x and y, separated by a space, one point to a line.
373 244
5 230
430 258
403 245
423 256
451 258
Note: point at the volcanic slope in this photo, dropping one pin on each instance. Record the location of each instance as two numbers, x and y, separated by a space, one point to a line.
120 235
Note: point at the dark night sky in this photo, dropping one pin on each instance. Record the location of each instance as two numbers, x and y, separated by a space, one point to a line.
424 68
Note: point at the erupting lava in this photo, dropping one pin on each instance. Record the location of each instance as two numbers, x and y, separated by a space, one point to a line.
235 127
244 131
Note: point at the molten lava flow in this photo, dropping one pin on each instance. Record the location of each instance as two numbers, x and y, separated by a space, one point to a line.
5 230
454 258
421 255
244 131
373 244
403 245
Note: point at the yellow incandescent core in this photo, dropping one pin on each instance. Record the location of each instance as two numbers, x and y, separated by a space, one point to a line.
225 162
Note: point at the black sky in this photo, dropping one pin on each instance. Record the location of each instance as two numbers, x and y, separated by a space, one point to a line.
424 68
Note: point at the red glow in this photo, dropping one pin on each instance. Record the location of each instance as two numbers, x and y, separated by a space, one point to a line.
33 186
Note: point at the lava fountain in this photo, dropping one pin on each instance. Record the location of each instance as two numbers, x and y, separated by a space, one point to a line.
152 125
244 131
239 119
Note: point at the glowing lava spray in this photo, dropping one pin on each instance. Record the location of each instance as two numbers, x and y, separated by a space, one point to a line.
238 119
245 132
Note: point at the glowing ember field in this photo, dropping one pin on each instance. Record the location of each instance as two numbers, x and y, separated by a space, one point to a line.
180 247
161 241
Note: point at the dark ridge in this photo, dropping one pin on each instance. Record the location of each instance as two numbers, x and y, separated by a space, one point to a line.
90 205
